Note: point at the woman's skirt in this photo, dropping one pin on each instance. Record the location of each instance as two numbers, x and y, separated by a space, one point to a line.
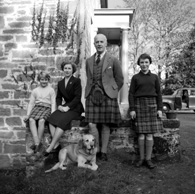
63 119
108 112
147 120
40 112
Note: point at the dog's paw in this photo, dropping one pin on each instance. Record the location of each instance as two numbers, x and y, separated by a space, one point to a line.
94 167
63 167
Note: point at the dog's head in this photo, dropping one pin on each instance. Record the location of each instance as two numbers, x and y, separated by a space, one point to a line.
88 143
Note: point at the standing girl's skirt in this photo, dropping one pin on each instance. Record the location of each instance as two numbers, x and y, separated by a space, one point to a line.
40 112
108 112
146 115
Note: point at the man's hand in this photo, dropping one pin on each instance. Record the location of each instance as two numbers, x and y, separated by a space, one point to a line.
132 114
159 113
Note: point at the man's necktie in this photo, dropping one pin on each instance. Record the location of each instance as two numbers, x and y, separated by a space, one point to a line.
98 59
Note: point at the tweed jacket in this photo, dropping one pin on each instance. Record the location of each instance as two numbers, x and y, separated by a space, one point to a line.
71 94
112 76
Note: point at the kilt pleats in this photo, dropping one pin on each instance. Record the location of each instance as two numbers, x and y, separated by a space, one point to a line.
40 112
146 115
108 112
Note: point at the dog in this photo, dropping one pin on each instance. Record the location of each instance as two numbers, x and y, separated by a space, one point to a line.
83 153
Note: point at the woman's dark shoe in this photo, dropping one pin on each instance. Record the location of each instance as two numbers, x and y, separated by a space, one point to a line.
33 147
98 155
38 148
104 157
45 154
57 149
149 164
139 163
42 155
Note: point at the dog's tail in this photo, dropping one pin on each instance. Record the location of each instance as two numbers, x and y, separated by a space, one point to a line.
55 167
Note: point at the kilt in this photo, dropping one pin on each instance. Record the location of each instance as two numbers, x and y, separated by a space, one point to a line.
108 112
146 116
40 112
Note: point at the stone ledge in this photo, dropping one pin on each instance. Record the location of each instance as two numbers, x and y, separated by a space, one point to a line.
171 123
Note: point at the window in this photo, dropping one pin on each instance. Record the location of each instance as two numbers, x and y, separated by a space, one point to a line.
192 93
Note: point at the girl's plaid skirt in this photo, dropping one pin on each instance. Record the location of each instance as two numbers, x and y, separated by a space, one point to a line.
146 116
40 112
108 112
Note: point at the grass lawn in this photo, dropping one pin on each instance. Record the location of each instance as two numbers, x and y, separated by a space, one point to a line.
117 176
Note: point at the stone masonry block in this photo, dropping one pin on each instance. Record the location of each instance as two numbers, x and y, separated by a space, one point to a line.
19 112
8 86
21 94
5 111
1 53
5 161
14 148
6 134
6 38
12 121
14 31
6 9
19 161
22 2
4 95
9 46
46 60
3 73
19 24
21 38
1 147
2 22
24 18
22 12
21 134
10 102
21 128
171 123
172 130
2 122
22 53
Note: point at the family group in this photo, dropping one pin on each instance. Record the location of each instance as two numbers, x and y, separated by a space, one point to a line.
104 80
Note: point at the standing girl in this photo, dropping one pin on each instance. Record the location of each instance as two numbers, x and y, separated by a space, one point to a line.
145 102
41 105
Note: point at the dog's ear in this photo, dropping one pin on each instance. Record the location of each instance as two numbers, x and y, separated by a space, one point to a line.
95 142
80 143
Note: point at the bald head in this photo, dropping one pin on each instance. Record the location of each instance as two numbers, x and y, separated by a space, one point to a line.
100 43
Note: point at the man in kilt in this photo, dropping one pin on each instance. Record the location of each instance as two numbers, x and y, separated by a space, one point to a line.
104 80
145 102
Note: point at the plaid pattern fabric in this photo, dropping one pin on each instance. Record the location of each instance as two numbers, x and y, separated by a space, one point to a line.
146 115
40 112
108 112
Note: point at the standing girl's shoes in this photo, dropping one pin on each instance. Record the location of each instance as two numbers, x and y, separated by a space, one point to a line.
147 163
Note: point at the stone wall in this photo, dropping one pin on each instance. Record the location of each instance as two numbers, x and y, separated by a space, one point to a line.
20 62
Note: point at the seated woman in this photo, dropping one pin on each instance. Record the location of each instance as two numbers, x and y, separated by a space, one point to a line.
69 91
